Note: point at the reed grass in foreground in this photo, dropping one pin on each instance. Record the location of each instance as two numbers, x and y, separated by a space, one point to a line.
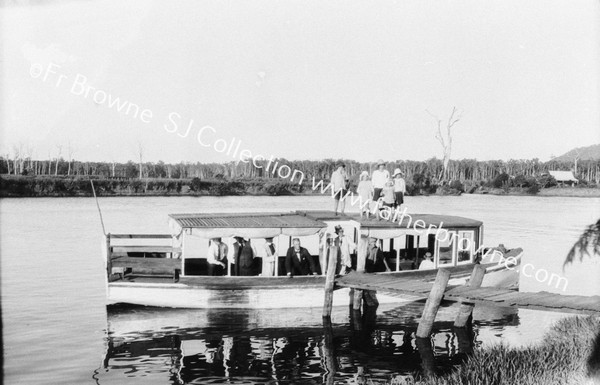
569 354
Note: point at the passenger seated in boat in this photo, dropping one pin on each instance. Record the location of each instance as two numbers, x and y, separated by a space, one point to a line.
246 262
298 260
217 257
269 258
375 261
427 262
234 254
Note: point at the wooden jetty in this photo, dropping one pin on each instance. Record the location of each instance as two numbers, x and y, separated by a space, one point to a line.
366 285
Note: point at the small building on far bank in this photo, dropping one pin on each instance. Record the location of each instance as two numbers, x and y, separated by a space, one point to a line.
564 177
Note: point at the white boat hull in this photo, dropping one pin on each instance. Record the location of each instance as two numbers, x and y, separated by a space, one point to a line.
184 296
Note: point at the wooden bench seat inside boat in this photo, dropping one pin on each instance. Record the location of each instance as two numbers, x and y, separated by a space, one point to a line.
123 265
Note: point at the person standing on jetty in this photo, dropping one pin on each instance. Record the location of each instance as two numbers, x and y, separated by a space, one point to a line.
399 188
365 192
339 181
379 179
388 199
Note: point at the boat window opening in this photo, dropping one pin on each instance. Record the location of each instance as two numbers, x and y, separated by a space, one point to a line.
446 252
194 262
465 246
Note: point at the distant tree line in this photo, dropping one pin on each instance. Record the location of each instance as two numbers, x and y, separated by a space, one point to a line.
61 177
465 170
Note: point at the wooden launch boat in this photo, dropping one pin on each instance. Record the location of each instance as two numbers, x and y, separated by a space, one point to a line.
170 270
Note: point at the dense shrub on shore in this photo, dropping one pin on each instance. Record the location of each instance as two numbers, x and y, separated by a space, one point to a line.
569 354
43 186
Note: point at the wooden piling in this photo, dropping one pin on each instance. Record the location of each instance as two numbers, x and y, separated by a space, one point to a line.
433 303
427 357
466 309
361 259
330 280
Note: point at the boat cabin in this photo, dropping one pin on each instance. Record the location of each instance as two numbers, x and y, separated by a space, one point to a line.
451 240
404 241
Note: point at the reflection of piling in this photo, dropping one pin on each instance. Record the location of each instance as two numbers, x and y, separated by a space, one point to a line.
466 309
330 365
427 358
465 340
433 303
330 280
356 318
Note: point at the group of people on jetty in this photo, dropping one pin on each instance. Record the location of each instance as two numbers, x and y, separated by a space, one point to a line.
376 191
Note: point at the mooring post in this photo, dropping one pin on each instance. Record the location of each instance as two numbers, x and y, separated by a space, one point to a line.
330 280
433 303
466 309
427 357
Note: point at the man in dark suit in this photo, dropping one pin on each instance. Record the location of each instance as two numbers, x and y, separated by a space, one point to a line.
235 257
298 260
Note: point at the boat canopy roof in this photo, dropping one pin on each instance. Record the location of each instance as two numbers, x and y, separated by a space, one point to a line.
247 225
410 223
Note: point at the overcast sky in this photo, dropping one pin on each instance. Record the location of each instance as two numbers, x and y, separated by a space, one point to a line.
300 79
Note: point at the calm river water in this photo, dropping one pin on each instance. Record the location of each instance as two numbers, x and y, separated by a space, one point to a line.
58 330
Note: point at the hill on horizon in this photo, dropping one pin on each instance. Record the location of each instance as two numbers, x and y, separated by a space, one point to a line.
585 153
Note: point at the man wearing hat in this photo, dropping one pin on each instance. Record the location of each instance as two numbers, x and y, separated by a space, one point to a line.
379 178
427 262
399 187
347 247
365 192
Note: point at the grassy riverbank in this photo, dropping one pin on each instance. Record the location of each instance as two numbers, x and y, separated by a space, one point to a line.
569 354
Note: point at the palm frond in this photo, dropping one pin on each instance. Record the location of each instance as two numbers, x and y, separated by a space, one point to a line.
587 244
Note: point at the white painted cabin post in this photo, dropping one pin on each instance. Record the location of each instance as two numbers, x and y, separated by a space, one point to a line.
330 279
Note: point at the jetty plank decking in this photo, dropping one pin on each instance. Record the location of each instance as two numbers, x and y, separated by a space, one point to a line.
484 295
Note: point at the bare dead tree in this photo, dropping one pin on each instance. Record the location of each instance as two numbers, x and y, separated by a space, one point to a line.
59 148
446 140
70 153
29 155
576 156
17 156
7 159
140 153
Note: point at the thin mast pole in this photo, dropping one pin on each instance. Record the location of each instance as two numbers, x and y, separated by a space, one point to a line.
98 205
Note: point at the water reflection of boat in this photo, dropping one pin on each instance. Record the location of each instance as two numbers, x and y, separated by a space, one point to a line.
144 269
159 345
